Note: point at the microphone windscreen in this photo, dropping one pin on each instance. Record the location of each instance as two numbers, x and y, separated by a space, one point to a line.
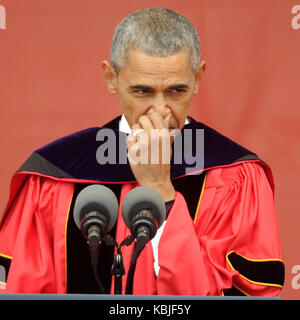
99 198
143 198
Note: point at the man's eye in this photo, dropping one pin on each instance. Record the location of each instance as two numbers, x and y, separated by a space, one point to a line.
142 92
177 91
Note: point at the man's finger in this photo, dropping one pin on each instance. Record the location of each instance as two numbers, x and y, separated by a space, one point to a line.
136 126
146 123
158 121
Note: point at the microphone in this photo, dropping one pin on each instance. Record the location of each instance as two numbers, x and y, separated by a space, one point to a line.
143 211
95 213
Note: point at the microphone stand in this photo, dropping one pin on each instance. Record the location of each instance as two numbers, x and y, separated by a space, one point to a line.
117 269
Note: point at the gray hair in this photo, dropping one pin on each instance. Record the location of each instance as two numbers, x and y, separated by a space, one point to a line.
155 31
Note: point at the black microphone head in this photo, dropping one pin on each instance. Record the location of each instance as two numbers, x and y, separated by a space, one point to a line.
98 198
143 198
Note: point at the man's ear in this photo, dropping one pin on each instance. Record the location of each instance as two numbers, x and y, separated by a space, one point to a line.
110 77
199 75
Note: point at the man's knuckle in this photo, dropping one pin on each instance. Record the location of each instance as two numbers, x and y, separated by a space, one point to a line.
143 118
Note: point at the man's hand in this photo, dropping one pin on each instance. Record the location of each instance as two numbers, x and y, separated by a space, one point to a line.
149 153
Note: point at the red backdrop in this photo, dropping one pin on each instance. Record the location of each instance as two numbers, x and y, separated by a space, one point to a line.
51 84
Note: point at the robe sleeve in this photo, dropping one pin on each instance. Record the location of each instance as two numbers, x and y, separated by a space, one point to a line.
32 238
232 247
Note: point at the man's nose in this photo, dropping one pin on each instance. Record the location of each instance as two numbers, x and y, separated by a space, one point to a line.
160 105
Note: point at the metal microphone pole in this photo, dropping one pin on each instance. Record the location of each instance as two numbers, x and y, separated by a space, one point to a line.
117 269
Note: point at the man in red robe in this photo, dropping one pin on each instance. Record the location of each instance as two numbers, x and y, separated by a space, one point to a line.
220 236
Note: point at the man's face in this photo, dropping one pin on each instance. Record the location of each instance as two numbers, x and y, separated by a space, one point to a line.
149 83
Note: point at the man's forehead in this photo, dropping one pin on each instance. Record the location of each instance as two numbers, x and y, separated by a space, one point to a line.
141 68
143 62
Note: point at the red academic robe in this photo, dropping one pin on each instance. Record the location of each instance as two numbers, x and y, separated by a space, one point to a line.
231 247
235 217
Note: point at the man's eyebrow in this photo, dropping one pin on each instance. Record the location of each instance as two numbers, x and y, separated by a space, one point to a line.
148 88
179 86
140 87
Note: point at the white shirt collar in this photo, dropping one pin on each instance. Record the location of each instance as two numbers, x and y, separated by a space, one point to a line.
124 126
